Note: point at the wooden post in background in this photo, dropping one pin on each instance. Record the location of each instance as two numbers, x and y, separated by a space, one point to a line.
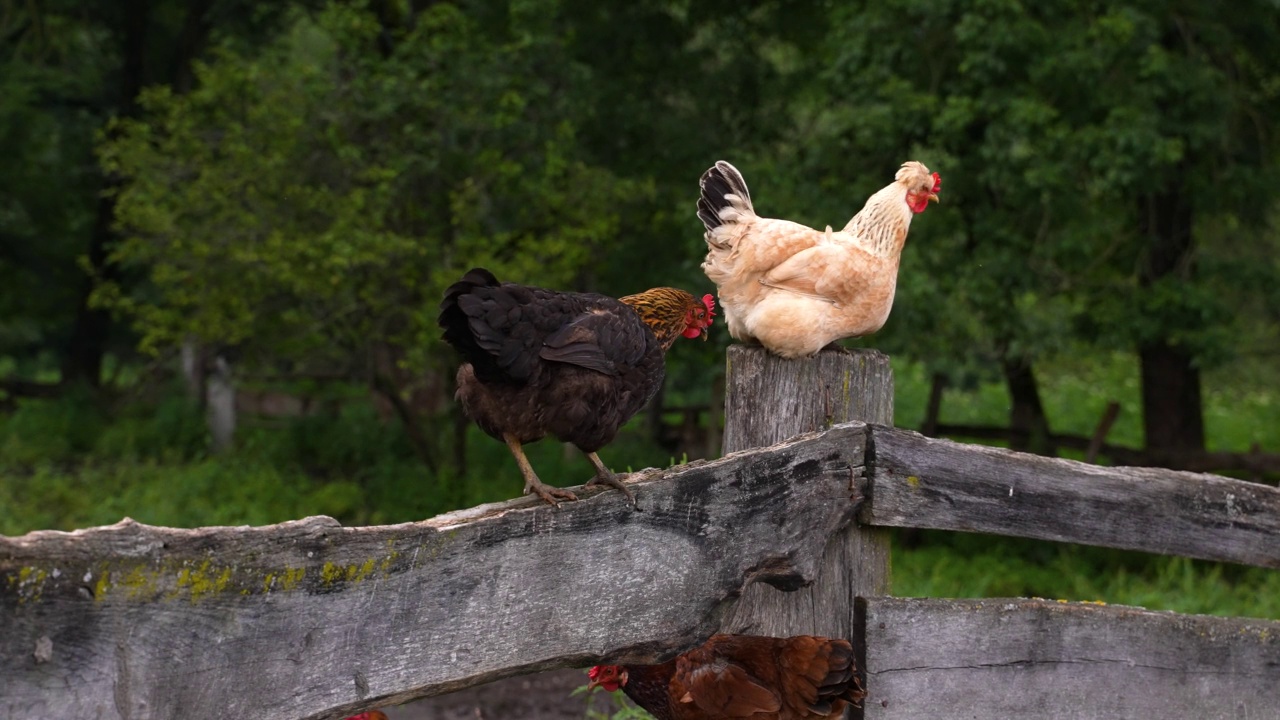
769 399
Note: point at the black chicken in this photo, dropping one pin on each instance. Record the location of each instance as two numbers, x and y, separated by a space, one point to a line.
577 366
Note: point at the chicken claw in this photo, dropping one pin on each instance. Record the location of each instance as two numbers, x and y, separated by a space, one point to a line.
547 492
531 481
605 476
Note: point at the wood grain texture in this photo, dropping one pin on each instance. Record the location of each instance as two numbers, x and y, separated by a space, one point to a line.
309 619
925 483
769 399
1040 659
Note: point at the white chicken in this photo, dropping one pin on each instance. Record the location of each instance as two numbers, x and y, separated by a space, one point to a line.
794 289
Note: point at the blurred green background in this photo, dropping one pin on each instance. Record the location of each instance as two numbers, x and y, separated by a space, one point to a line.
264 202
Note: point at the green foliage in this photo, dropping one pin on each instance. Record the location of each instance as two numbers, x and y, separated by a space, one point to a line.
171 430
40 431
1059 127
312 200
50 69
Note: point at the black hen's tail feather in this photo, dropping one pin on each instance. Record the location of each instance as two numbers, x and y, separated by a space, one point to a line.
720 180
476 348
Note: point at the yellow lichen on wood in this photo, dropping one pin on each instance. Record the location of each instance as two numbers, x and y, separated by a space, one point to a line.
385 565
29 583
352 573
291 577
330 573
203 580
103 584
141 583
189 579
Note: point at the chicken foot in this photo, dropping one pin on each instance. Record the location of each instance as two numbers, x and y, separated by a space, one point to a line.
531 481
605 476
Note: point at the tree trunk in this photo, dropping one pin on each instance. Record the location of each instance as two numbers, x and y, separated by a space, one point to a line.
92 327
221 401
1172 413
194 369
768 399
88 342
933 410
422 446
196 26
1028 425
1171 406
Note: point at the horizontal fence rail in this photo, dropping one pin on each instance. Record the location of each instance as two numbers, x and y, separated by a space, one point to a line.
1001 659
920 482
309 619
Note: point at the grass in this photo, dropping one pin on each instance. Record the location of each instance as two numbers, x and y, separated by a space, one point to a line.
1241 402
68 463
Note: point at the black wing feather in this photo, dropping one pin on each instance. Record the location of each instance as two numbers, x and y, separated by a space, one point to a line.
504 330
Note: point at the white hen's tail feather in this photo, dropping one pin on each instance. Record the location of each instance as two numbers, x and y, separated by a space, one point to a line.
725 201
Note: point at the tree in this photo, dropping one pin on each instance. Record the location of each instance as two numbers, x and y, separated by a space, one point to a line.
1080 141
69 67
308 203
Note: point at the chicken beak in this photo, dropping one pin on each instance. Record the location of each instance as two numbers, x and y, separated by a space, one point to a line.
933 197
592 685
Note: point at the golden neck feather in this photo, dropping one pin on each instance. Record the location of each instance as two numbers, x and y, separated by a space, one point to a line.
665 310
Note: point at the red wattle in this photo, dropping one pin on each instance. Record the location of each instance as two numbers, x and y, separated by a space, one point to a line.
691 332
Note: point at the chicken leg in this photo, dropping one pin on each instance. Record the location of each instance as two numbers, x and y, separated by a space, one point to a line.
605 476
531 481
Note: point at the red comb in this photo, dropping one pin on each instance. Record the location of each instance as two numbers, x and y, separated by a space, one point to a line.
594 672
937 183
710 302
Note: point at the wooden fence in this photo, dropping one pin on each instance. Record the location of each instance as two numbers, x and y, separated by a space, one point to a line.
309 619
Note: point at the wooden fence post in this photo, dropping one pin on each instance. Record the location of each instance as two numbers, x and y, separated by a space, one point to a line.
769 399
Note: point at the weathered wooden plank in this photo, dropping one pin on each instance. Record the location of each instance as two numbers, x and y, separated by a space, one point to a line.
1011 659
925 483
769 399
309 619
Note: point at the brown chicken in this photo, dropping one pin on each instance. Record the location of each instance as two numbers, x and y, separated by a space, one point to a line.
742 676
794 289
576 366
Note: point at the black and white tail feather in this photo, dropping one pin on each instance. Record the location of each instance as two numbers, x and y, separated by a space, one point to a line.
725 199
